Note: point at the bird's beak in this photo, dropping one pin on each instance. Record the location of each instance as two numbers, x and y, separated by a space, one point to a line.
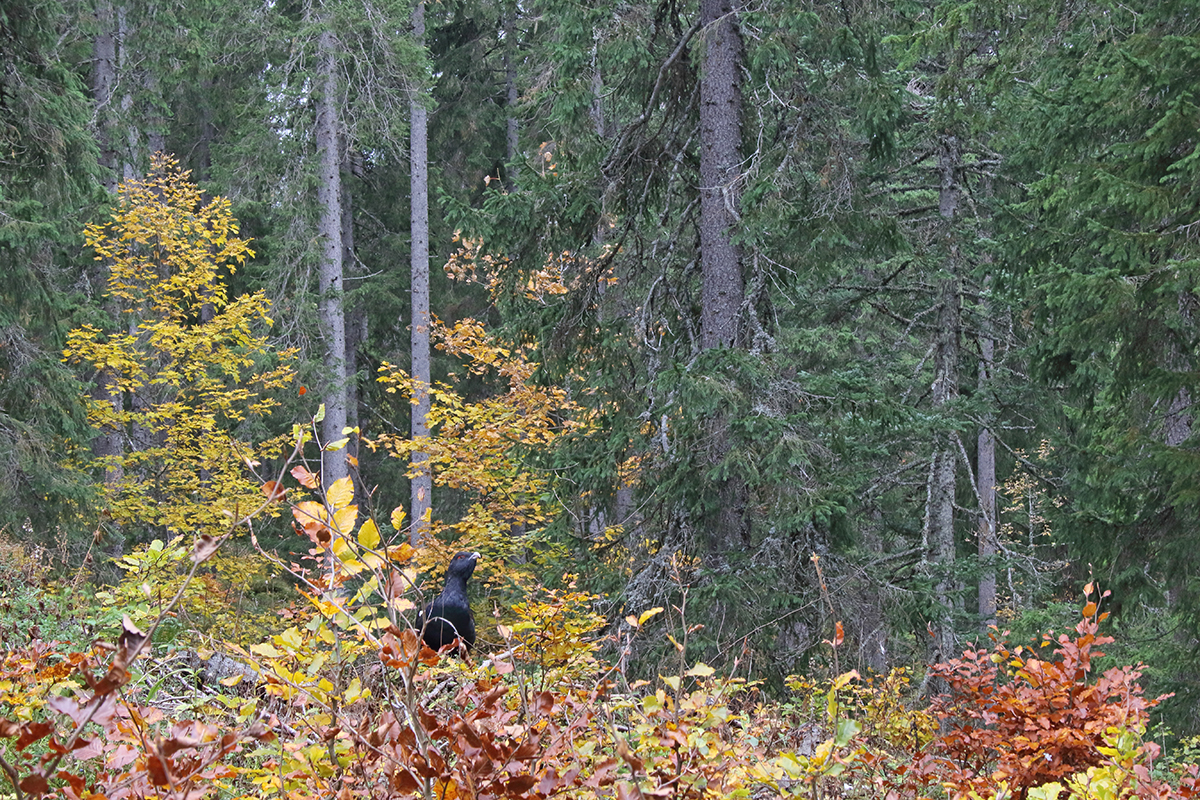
475 556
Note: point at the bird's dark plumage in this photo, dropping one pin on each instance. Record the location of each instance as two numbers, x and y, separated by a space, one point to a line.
449 616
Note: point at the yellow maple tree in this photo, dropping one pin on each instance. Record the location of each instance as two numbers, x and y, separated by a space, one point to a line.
192 362
477 447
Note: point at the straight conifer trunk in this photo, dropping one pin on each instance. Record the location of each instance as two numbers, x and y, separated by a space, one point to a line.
985 477
511 126
940 512
109 442
720 164
421 479
332 312
104 79
721 269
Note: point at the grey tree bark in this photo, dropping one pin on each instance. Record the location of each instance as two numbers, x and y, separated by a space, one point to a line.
985 478
331 273
511 126
722 287
353 312
421 502
939 519
104 79
720 167
126 80
109 443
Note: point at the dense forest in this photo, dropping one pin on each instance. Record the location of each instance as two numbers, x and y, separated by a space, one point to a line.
848 333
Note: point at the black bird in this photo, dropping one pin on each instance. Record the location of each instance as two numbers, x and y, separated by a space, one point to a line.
449 616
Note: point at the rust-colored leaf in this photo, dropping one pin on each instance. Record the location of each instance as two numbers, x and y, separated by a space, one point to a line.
307 478
176 743
428 721
468 734
520 785
527 750
67 707
76 783
274 491
114 679
35 785
85 749
549 782
404 782
429 656
543 703
128 645
401 553
158 769
32 732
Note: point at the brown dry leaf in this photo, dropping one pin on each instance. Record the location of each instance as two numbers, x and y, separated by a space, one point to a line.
308 479
274 491
206 545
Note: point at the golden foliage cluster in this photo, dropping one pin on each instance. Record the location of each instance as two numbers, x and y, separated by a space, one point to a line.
194 362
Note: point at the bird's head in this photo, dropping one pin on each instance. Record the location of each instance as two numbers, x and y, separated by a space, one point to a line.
462 565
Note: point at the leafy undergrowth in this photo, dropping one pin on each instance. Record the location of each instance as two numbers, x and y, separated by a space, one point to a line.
343 701
334 696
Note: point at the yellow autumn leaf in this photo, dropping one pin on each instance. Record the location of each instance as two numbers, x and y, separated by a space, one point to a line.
398 515
344 519
352 566
645 615
355 691
340 493
290 638
368 534
309 511
265 649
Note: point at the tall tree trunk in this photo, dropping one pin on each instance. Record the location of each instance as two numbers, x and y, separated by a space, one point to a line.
511 129
939 521
720 167
721 269
422 480
208 135
332 313
354 314
128 170
156 124
141 399
109 443
1177 427
104 80
985 477
599 121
